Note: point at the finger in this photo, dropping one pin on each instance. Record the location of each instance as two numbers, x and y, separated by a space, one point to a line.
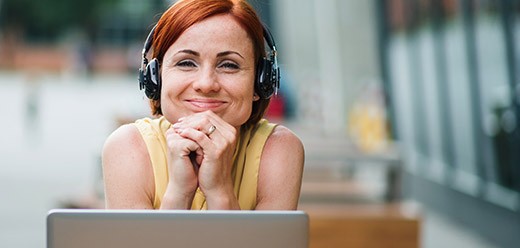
224 128
213 149
199 156
197 121
204 121
180 145
197 136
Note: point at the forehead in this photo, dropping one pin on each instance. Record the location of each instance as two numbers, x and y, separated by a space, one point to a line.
221 32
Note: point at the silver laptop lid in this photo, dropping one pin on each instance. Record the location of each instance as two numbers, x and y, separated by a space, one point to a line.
176 228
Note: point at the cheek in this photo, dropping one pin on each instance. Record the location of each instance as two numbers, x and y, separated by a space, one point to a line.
248 86
170 83
248 100
170 89
243 91
240 85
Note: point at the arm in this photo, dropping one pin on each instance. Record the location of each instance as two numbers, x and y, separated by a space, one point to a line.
127 170
280 175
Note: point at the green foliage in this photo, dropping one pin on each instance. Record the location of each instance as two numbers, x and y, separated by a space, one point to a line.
47 19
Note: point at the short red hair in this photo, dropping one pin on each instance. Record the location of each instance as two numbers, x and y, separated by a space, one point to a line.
185 13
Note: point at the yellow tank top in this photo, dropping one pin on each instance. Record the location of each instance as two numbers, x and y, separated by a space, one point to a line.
245 168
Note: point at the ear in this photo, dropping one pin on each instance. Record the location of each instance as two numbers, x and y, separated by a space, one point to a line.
255 97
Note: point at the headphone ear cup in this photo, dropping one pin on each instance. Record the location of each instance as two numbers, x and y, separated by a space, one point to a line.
152 80
264 86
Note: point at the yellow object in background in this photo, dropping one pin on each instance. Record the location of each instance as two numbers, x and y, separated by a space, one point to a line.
367 122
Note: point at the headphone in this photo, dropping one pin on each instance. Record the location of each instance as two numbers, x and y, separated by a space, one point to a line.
267 80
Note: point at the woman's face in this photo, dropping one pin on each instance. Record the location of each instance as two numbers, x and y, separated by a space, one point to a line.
211 66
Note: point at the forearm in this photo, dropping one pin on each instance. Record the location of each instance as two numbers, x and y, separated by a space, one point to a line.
173 200
222 200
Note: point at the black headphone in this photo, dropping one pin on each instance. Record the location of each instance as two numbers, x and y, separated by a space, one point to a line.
267 80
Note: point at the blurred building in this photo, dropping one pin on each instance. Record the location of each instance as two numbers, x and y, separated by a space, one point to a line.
449 71
55 35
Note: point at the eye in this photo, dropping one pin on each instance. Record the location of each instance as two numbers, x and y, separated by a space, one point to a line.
227 65
186 64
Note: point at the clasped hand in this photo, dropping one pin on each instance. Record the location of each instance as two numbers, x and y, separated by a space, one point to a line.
201 148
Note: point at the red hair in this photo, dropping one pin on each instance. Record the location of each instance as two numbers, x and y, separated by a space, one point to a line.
185 13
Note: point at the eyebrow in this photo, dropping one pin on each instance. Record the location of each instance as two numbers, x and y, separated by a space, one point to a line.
188 51
221 54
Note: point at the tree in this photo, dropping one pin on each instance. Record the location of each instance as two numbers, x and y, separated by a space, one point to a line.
46 20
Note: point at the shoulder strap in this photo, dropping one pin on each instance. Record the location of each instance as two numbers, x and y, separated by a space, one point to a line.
152 131
246 181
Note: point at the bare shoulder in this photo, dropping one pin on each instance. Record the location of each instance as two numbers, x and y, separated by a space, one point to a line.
127 171
282 139
281 170
125 137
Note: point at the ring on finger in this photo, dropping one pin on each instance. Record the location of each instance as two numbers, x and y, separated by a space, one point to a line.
211 130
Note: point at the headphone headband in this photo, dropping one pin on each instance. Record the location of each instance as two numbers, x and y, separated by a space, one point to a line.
269 38
148 42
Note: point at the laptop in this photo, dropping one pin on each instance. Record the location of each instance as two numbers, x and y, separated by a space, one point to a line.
81 228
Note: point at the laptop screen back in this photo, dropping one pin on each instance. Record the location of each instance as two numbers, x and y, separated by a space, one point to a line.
176 228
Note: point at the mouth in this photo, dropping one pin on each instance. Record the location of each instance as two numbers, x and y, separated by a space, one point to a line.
205 104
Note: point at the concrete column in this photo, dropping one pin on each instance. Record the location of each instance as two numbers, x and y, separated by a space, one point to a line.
328 48
330 63
295 33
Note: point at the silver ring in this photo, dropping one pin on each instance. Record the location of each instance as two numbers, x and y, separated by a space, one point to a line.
211 130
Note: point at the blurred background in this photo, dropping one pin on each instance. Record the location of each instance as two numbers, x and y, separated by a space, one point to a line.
399 103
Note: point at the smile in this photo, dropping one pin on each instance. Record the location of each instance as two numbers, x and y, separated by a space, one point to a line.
205 104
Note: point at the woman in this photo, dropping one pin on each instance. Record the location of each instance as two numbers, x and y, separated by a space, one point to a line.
209 147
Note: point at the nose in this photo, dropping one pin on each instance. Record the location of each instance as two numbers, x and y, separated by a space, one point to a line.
207 81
